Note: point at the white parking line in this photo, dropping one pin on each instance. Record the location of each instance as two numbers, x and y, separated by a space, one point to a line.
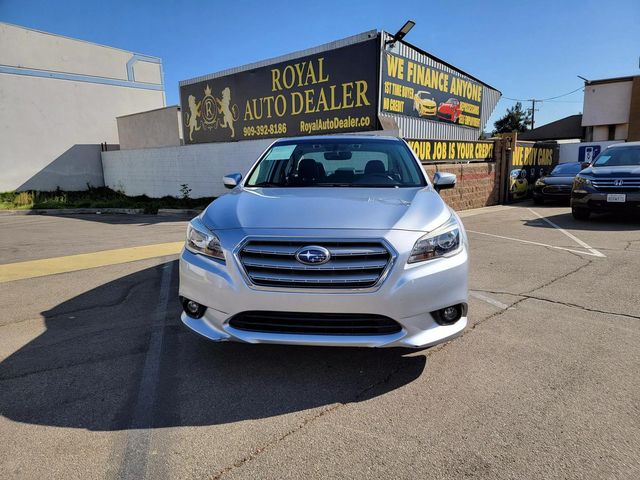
489 300
581 252
595 252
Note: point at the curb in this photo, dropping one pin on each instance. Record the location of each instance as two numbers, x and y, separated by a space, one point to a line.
167 212
74 211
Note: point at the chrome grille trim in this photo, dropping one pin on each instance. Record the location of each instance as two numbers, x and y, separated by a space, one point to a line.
355 264
628 184
286 264
557 189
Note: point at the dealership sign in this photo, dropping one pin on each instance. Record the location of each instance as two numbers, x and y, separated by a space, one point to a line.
527 164
415 89
334 91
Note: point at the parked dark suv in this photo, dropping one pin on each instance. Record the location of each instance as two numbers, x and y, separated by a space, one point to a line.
610 183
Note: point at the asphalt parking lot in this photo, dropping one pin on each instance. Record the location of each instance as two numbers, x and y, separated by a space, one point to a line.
98 378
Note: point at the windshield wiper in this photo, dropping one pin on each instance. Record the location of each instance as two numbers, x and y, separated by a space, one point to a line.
266 184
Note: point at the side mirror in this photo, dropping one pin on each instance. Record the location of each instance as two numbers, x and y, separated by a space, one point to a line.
442 181
232 180
585 165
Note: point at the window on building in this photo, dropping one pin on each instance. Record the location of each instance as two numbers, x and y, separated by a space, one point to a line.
612 132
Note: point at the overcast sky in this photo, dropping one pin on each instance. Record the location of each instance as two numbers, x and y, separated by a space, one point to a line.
524 49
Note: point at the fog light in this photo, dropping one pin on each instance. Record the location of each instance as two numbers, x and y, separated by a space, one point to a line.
193 309
450 315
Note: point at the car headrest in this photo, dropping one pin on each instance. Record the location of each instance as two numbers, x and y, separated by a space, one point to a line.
374 166
308 169
343 175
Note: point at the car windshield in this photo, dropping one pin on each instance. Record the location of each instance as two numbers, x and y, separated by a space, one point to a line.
337 163
618 157
567 169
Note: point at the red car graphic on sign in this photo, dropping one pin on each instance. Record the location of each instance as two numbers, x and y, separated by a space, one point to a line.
450 110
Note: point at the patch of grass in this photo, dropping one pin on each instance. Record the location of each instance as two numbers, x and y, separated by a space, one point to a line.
100 197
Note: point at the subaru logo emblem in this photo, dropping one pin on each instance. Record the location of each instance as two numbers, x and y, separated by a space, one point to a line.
313 255
618 183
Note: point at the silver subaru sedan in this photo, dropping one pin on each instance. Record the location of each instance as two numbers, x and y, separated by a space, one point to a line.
332 240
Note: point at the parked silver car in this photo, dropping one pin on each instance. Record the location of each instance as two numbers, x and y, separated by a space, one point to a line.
333 240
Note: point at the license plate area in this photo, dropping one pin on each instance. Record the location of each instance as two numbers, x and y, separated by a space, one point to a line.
616 198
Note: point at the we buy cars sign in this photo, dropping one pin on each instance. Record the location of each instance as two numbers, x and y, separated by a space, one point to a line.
419 90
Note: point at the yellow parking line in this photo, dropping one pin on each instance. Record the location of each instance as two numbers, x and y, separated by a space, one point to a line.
71 263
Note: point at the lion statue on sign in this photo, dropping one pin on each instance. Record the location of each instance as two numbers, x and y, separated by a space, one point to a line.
224 106
192 116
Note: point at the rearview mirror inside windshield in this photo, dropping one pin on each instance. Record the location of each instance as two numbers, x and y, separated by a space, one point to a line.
337 155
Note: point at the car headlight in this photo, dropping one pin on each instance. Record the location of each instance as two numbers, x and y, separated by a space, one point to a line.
444 241
540 181
202 240
580 181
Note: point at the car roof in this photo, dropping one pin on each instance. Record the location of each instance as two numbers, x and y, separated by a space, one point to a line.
342 137
624 144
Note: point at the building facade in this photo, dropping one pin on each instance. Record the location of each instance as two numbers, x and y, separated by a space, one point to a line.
367 83
59 99
612 109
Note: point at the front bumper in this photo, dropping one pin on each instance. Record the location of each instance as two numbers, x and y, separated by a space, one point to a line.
596 201
407 295
552 192
445 116
426 110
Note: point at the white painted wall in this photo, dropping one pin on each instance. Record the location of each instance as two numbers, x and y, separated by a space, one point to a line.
161 127
606 104
50 128
158 172
568 152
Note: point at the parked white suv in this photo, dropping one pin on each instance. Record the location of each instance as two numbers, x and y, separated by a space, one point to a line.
333 240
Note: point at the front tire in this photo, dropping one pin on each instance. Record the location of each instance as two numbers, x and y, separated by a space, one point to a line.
538 200
580 213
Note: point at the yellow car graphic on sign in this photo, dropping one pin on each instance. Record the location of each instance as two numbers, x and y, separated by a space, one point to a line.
424 104
518 184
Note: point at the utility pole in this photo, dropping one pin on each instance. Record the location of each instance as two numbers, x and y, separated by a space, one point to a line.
533 113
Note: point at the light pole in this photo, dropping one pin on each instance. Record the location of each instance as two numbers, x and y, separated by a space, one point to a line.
400 34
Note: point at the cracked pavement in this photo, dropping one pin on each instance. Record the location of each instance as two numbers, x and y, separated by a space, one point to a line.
547 387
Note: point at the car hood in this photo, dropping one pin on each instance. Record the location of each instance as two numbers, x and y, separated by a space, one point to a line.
618 172
417 209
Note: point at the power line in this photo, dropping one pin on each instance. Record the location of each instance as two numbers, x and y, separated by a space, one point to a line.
543 99
540 100
563 95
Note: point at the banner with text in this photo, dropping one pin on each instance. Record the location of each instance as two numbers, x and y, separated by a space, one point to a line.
451 150
418 90
529 162
333 91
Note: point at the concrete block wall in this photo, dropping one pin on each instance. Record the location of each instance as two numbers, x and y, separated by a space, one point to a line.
477 184
158 172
